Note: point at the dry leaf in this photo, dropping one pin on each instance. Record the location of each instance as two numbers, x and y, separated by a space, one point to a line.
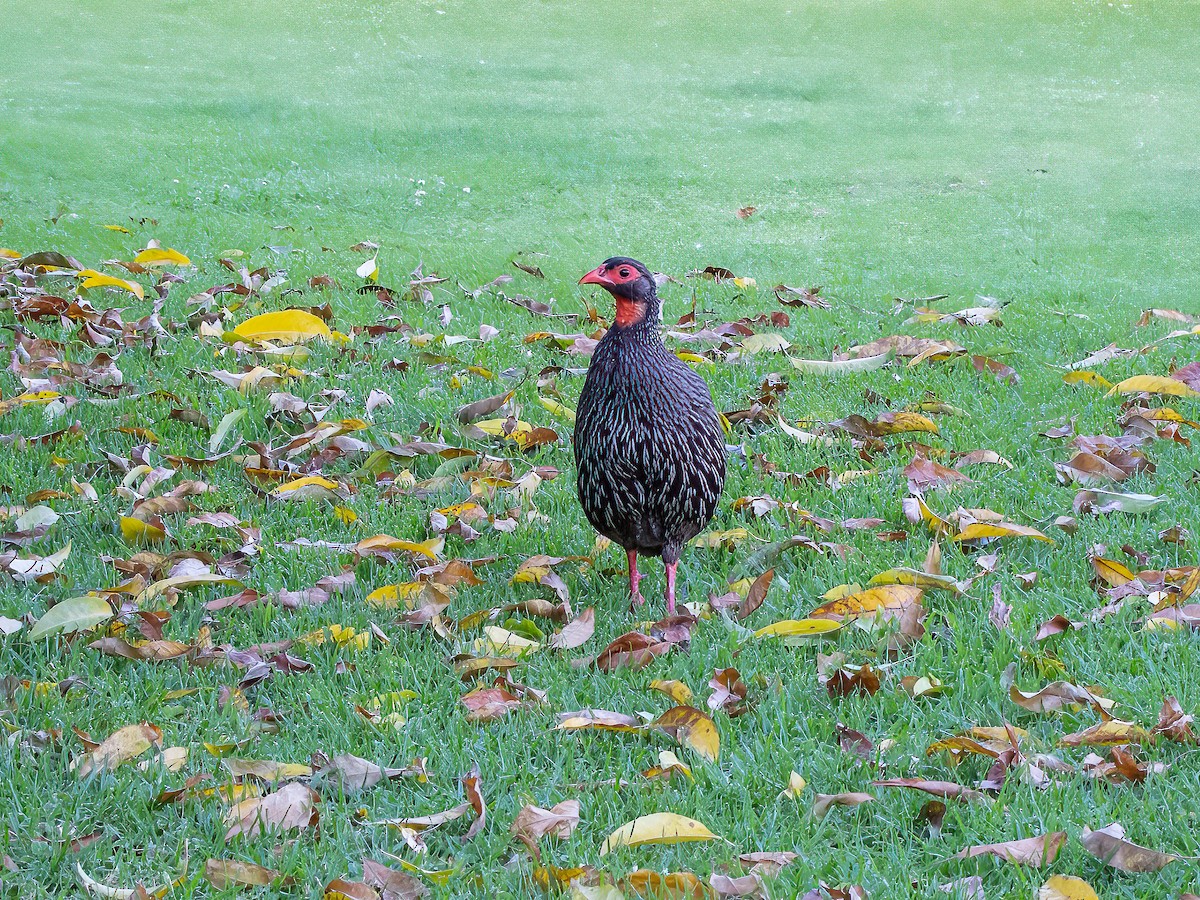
1108 845
1035 851
533 823
292 807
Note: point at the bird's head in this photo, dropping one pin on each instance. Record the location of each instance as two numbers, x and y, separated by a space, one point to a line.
631 285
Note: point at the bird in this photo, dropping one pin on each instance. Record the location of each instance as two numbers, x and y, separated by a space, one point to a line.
649 448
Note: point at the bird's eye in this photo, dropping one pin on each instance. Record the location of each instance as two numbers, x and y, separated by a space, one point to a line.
624 273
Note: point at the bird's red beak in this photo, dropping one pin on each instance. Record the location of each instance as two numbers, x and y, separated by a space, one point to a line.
596 276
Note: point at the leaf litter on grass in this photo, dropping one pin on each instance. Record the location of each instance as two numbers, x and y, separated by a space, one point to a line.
311 455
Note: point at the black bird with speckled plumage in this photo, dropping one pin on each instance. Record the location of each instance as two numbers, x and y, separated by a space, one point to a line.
648 444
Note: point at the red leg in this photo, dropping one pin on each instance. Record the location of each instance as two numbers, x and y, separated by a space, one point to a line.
670 567
635 595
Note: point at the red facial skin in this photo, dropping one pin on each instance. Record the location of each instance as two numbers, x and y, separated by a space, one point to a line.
629 312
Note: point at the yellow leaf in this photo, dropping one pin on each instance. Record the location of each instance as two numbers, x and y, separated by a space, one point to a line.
161 256
6 253
388 544
676 690
714 539
897 423
92 278
837 592
917 578
1066 887
657 828
1153 384
691 728
501 642
979 530
120 228
135 531
29 398
1092 379
119 747
795 785
308 488
294 326
390 595
557 410
869 602
1113 573
799 628
345 515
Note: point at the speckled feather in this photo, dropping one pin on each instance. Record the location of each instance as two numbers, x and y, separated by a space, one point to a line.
648 444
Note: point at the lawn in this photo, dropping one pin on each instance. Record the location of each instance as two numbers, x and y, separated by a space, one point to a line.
1037 154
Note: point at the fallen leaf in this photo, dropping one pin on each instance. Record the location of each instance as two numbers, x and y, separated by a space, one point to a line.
691 728
822 803
1066 887
231 873
533 823
1035 851
392 884
120 747
657 828
292 807
73 615
1108 845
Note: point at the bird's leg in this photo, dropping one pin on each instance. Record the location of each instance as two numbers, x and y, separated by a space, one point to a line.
670 567
635 595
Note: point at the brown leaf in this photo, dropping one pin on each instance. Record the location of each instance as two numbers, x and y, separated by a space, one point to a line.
1056 625
854 742
746 886
349 774
969 888
1058 696
767 864
1000 612
632 650
480 408
847 682
473 786
947 790
341 889
231 873
529 270
924 474
575 633
533 823
822 803
292 807
756 595
1035 851
1108 845
729 692
746 212
1108 732
392 884
1174 724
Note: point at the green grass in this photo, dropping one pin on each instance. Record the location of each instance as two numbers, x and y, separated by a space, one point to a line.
1037 153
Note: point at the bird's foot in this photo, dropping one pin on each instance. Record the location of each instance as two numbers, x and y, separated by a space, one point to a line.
635 600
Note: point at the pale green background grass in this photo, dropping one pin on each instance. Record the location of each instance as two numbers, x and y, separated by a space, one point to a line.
1042 153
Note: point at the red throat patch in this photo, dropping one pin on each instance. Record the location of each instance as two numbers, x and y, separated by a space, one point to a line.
629 312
